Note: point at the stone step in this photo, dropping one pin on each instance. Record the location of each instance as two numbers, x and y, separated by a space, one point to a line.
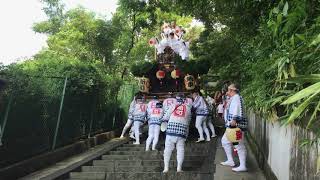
154 153
171 175
158 163
148 153
122 168
203 144
159 176
142 148
88 175
152 157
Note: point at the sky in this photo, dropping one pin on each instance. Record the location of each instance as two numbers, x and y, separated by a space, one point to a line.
18 40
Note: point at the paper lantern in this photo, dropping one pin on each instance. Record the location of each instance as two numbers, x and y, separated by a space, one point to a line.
163 126
152 41
160 74
189 82
234 135
175 74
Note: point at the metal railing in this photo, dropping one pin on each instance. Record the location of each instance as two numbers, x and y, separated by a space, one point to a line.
40 114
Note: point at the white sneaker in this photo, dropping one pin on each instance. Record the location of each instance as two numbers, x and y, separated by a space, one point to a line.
227 163
200 140
208 140
147 149
240 169
179 170
121 137
214 135
136 143
165 170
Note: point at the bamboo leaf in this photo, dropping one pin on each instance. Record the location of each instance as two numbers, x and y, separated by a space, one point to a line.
283 119
285 9
301 37
316 40
305 142
312 78
313 89
313 116
275 100
300 109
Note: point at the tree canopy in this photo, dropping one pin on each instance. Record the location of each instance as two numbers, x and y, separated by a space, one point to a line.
270 47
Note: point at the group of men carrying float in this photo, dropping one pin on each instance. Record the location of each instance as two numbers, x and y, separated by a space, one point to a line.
175 114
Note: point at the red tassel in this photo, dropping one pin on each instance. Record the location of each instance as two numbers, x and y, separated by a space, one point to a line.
235 152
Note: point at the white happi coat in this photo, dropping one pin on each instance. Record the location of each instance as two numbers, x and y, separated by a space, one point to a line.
178 116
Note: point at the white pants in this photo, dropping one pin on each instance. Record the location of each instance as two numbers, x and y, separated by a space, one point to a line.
153 136
201 125
170 143
126 126
241 148
137 125
211 127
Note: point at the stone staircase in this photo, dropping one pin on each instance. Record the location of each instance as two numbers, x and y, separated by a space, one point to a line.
132 162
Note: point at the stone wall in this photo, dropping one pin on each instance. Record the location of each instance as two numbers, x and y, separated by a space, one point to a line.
278 152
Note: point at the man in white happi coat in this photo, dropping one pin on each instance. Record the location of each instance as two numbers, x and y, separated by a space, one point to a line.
178 117
188 100
234 117
210 102
155 116
139 116
169 101
152 103
202 113
130 118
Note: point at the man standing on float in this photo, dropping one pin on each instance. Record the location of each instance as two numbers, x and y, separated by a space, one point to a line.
178 117
234 117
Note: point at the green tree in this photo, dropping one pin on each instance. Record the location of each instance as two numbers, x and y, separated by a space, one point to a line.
85 37
54 9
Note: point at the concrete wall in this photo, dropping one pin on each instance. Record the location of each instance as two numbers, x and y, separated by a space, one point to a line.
41 161
277 150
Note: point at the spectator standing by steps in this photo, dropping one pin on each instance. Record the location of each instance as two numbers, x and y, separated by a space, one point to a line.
234 117
210 104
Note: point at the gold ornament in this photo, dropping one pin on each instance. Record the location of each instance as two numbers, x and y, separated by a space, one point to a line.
189 82
144 84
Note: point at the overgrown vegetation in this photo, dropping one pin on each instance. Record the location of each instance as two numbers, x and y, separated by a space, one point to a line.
270 47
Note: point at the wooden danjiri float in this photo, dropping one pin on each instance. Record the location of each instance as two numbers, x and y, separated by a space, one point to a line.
171 52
